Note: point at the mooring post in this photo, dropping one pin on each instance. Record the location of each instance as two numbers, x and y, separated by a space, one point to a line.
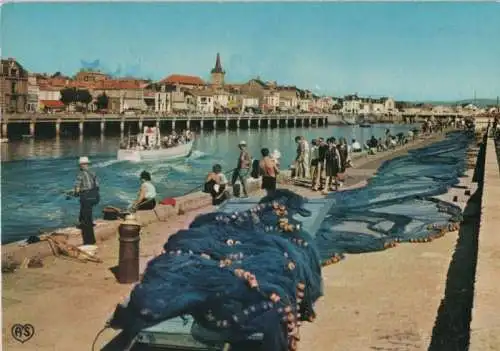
122 128
58 127
128 262
4 130
32 128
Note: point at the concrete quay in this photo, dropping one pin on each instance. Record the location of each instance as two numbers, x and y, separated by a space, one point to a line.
485 325
68 302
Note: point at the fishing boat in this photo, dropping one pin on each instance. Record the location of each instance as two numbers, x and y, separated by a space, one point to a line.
150 146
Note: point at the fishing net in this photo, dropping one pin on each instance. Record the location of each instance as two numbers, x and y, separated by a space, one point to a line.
258 271
398 204
244 273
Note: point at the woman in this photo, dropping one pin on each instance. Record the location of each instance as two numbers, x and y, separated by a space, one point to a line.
147 194
269 170
215 185
332 166
344 158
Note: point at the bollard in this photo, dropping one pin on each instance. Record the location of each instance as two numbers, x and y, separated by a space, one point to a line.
128 262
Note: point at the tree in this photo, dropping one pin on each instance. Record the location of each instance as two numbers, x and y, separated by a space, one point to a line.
84 97
102 101
68 96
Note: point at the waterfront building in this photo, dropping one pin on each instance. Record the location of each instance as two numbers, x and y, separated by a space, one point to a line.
162 102
289 98
13 87
175 81
123 94
33 92
217 74
249 102
46 94
91 76
351 104
305 105
204 101
271 101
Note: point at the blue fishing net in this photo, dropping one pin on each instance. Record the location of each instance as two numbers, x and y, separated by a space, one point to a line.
258 271
397 205
244 273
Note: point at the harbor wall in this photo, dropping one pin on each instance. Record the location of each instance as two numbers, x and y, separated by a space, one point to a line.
485 324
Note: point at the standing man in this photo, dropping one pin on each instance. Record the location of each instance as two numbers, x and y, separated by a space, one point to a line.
300 159
313 168
87 188
243 167
320 170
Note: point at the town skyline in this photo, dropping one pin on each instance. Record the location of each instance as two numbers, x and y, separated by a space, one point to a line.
378 64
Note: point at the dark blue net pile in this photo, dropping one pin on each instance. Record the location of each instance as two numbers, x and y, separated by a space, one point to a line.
397 205
244 273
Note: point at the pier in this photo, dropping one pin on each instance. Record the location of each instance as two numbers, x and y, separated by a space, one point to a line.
30 122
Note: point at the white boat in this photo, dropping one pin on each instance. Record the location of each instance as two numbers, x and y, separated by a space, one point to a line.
148 146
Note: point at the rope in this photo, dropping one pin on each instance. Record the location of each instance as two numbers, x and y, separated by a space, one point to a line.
99 334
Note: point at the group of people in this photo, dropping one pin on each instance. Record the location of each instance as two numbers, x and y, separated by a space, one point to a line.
267 168
175 139
86 187
324 162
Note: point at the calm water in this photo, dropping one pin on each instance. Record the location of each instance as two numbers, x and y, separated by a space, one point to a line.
35 173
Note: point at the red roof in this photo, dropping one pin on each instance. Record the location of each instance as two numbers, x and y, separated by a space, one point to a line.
181 79
52 103
118 84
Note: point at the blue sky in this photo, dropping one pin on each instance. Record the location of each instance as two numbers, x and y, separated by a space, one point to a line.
413 51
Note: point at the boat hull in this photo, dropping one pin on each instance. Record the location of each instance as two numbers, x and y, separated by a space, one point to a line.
171 153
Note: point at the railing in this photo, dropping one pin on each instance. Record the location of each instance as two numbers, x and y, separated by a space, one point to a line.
149 117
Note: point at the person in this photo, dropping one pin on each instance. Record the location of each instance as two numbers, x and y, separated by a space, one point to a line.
344 157
276 156
313 166
146 198
269 171
332 166
355 146
300 159
216 184
306 157
242 169
87 189
320 171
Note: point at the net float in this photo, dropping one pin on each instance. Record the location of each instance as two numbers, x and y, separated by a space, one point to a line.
275 297
291 266
301 286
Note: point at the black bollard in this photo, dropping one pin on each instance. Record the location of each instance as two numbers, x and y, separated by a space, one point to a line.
128 264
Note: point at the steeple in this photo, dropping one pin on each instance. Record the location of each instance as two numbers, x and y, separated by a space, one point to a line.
218 66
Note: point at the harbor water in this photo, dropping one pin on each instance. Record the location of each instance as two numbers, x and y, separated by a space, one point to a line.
35 173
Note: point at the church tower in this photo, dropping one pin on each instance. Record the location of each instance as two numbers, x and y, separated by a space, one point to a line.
218 73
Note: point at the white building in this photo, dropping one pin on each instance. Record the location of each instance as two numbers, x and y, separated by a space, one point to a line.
204 101
249 102
162 102
351 104
272 100
305 105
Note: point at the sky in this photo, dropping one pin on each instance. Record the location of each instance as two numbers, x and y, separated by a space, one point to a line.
410 51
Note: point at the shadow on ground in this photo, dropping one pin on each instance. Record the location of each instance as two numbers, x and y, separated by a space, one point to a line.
452 326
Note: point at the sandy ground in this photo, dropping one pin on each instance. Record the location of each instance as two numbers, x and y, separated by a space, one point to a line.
379 301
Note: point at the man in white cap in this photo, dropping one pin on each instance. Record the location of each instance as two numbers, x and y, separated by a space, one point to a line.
87 188
242 169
